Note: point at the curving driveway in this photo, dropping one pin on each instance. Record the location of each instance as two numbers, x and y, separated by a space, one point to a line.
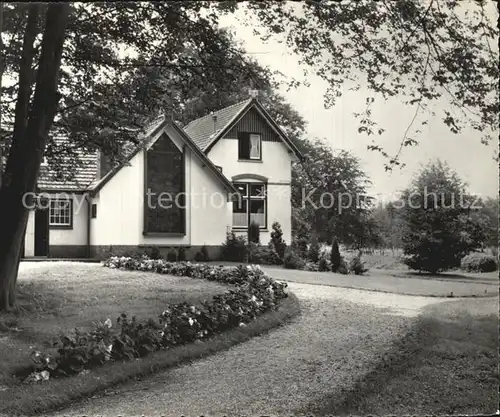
340 336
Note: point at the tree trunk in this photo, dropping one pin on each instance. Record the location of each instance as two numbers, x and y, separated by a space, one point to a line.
2 63
29 140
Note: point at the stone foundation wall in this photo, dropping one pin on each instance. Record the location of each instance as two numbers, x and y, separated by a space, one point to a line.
105 251
67 251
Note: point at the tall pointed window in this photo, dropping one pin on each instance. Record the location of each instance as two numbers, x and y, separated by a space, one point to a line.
164 202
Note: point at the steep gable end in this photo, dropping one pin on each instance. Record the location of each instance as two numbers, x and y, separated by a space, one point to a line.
253 122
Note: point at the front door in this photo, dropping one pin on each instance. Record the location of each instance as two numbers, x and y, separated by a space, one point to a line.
42 232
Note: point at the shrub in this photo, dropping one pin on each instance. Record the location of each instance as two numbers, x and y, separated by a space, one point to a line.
171 255
437 233
323 265
234 249
335 258
255 293
299 245
204 254
311 266
254 233
314 248
154 253
292 260
343 268
181 254
479 262
357 266
277 242
264 255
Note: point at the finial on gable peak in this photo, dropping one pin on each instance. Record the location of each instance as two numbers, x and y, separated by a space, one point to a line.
253 93
168 114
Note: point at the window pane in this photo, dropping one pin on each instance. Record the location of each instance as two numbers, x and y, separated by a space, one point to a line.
257 212
240 206
240 216
242 188
257 206
243 145
60 212
257 190
255 146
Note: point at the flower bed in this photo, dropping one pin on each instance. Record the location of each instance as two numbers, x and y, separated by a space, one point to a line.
254 294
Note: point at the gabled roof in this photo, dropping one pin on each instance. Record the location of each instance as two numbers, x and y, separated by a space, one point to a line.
203 132
155 127
82 173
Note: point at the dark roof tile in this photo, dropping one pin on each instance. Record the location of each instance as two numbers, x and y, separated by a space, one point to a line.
202 131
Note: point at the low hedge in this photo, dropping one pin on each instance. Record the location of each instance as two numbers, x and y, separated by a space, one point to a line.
479 262
254 294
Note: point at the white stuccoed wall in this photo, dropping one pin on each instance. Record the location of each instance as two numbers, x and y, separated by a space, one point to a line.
120 205
76 236
29 237
276 166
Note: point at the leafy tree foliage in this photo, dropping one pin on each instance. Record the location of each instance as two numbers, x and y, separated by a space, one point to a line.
439 229
97 72
420 51
389 225
487 215
329 193
121 65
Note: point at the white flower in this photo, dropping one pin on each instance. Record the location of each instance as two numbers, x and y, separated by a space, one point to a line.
254 298
191 321
242 324
108 323
193 309
45 375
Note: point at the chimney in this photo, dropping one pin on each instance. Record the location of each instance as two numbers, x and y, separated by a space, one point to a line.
214 118
169 114
253 93
103 164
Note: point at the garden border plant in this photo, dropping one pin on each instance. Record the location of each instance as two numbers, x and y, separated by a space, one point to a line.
254 294
61 392
257 304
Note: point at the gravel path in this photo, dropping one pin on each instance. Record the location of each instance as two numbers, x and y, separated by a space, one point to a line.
337 339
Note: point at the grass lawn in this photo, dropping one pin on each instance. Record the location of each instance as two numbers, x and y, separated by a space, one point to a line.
55 297
448 364
390 281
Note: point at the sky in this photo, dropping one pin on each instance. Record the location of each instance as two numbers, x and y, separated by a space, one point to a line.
338 127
